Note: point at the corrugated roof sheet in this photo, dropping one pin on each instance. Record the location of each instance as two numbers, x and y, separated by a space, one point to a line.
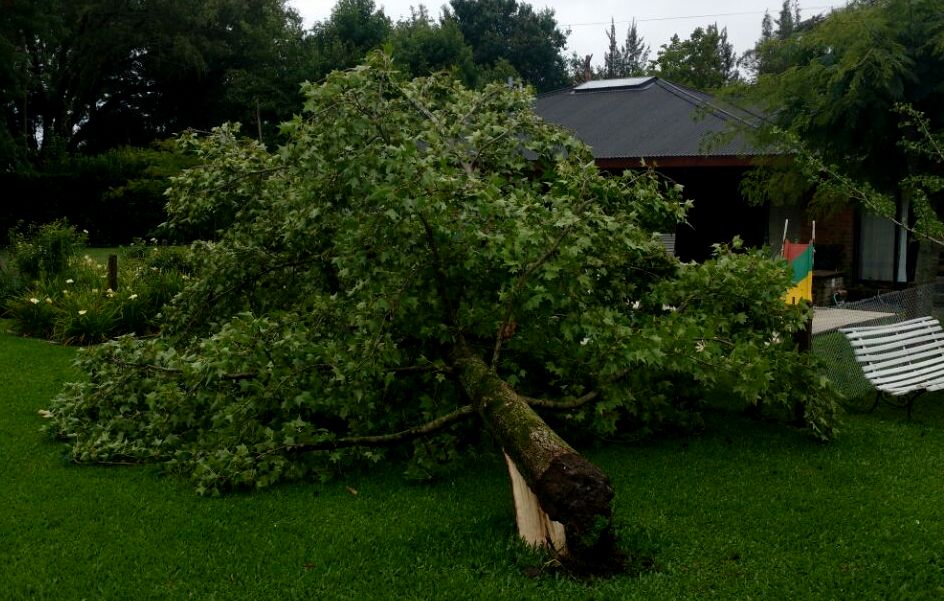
659 119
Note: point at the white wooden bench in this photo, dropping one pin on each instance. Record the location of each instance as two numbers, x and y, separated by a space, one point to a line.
906 358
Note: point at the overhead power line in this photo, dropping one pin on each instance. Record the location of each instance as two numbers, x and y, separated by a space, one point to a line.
681 17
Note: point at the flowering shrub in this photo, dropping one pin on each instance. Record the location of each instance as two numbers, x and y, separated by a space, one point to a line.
34 316
77 307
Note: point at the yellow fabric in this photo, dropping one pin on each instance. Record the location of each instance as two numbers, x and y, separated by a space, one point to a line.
803 290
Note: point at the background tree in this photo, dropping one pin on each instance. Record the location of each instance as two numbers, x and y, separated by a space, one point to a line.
421 46
416 255
789 19
354 28
706 60
771 53
635 53
84 78
613 57
511 32
96 74
628 60
842 80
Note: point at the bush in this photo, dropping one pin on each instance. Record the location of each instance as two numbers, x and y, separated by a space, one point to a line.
34 316
11 283
45 250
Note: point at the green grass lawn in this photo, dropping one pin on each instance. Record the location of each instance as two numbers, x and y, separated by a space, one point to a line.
746 510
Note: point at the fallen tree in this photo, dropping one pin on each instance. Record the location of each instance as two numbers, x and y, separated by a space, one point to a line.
416 255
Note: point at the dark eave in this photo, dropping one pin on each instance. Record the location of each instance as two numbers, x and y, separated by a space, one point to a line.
676 162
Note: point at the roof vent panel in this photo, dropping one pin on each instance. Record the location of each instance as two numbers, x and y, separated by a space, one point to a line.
625 83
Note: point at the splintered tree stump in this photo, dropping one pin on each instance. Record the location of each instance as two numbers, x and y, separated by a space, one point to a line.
534 525
568 489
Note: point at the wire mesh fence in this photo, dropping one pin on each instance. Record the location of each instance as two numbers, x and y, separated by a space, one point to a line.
884 309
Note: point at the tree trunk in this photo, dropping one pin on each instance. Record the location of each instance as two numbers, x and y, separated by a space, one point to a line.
926 269
570 489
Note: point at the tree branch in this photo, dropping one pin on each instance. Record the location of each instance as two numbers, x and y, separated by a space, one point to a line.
573 402
519 284
236 178
562 405
383 440
176 371
441 281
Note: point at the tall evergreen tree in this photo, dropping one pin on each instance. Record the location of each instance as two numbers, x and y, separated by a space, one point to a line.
789 19
628 60
635 53
613 57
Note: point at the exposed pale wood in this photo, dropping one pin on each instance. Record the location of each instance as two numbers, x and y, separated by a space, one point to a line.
570 489
534 525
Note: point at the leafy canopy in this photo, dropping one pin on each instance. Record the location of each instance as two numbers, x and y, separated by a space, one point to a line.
96 74
399 220
837 81
706 60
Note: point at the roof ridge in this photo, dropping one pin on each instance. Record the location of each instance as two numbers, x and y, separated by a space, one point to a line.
692 97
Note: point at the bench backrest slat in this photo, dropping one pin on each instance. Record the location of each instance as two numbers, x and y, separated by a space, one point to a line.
907 337
902 357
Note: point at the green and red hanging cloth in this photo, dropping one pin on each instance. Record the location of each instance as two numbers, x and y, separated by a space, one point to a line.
800 259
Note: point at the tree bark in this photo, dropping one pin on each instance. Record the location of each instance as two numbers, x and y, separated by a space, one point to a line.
926 270
570 489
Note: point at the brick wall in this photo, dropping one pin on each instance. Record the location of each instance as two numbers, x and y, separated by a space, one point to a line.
834 240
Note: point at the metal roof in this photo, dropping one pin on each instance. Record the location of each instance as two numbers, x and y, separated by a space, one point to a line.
648 118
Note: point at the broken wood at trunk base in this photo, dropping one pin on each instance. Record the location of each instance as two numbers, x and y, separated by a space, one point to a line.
534 525
568 488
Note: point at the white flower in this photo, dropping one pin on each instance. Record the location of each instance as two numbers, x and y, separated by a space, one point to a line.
636 305
83 311
669 308
85 232
585 341
48 300
775 338
45 413
70 281
700 346
34 300
132 297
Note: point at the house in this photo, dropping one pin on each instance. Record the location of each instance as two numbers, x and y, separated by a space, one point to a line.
640 122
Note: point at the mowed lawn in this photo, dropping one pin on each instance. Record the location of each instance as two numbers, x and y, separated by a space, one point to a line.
744 510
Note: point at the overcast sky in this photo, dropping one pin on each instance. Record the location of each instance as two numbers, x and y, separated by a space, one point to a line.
588 20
